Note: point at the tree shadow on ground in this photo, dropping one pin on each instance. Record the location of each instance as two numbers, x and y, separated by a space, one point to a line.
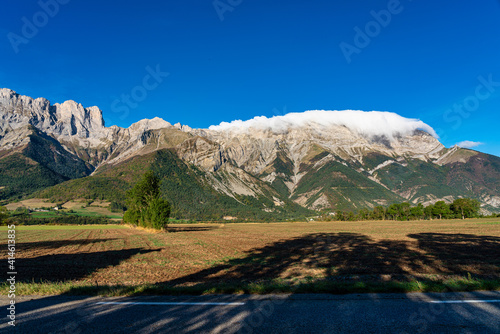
347 256
172 229
461 253
54 244
64 267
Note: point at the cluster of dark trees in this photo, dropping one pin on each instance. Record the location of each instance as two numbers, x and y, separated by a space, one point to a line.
460 208
4 214
145 206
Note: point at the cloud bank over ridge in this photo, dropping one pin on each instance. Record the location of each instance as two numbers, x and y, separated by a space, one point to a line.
468 144
367 123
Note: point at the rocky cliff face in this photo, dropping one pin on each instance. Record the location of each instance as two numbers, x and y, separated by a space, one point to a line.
319 159
61 120
80 130
252 149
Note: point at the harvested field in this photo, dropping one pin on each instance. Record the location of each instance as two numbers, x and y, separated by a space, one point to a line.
30 204
206 255
77 204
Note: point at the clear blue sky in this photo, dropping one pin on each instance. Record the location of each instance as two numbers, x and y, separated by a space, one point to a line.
254 57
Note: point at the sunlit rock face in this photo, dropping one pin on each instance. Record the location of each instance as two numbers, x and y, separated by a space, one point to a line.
383 156
251 145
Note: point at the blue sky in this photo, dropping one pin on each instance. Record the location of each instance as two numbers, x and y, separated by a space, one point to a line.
236 59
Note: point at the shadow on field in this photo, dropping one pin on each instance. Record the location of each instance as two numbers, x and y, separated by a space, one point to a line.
459 253
54 244
171 229
63 267
351 256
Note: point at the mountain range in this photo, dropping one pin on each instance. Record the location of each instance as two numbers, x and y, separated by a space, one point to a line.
281 167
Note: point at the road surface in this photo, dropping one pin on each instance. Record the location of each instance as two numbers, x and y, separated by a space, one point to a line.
477 312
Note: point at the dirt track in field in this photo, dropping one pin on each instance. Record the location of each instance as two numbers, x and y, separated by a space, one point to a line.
192 254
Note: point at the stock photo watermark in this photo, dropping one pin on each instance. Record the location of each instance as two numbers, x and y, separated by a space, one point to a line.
263 311
11 273
460 111
433 310
223 6
364 35
139 93
31 26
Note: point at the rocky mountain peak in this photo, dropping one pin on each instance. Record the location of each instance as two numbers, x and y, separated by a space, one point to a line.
20 105
61 119
77 120
149 124
185 128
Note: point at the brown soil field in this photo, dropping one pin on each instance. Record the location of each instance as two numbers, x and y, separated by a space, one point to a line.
228 253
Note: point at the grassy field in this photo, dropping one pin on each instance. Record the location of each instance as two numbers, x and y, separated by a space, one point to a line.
332 257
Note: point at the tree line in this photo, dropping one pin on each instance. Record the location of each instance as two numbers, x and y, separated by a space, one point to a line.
460 208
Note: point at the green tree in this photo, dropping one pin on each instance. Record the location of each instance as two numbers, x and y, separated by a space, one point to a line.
364 214
145 206
417 212
441 209
465 207
132 216
21 211
378 213
428 211
158 212
147 189
404 210
4 214
350 216
339 215
116 207
394 211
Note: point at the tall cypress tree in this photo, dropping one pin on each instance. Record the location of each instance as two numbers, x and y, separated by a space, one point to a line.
145 206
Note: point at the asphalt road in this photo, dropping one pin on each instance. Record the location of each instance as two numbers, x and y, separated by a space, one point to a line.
477 312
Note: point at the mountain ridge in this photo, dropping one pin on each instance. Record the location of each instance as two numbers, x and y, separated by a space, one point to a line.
261 163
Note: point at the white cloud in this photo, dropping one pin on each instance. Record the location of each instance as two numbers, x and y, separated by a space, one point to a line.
468 144
368 123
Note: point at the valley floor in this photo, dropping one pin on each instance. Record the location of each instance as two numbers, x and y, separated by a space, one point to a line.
332 257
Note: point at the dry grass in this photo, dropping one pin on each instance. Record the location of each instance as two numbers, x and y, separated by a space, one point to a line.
207 255
96 207
30 204
98 211
76 204
103 204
